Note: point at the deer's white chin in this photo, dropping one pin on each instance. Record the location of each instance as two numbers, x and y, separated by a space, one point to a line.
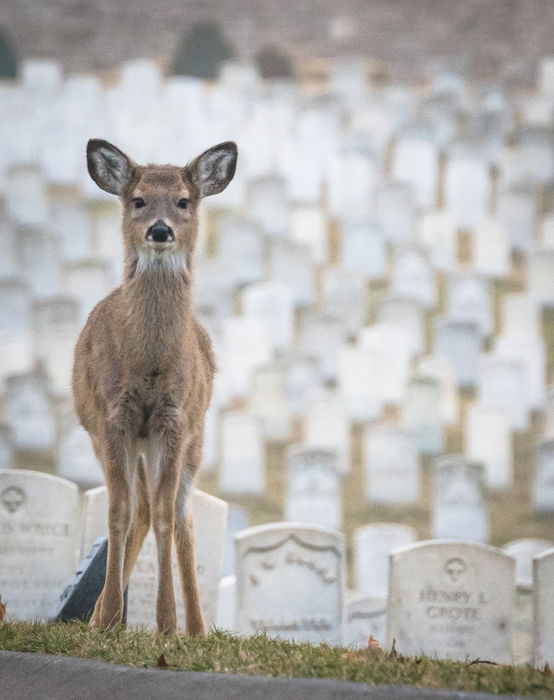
152 258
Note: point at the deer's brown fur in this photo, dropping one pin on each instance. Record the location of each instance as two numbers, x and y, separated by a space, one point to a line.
143 372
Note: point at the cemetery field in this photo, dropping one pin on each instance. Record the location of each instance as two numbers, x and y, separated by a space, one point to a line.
258 655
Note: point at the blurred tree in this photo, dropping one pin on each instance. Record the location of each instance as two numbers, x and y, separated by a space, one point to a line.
8 57
201 51
274 63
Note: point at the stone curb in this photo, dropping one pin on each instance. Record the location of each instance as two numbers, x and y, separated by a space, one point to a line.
48 677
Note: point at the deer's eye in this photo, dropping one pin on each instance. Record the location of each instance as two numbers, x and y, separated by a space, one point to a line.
183 203
138 202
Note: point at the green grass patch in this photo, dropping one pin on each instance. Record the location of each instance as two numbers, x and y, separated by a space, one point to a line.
259 655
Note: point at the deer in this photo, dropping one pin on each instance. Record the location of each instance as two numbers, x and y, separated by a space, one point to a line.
143 373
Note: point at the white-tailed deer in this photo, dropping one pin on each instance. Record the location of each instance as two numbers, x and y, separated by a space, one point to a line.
143 371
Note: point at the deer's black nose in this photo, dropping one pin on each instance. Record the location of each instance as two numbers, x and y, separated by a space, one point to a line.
159 232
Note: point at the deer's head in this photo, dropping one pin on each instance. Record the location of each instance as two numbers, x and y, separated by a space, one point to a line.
160 201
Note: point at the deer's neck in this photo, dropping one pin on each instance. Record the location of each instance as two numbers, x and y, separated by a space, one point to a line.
158 311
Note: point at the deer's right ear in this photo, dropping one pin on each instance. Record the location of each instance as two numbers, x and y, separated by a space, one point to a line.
109 167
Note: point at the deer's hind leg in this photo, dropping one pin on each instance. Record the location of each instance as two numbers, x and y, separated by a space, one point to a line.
184 541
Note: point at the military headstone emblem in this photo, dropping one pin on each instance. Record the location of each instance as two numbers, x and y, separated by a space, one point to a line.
455 568
12 498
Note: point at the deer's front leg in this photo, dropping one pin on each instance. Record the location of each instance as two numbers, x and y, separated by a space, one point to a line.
119 483
163 458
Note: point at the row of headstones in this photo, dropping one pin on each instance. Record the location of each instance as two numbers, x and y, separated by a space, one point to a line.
235 442
439 596
239 100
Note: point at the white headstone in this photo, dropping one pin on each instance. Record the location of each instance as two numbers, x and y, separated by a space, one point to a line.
308 227
29 411
441 602
460 343
459 510
437 233
543 485
290 581
503 385
421 414
39 524
241 462
241 248
467 190
391 465
413 276
488 439
516 210
469 299
271 303
363 248
372 546
76 459
313 488
290 264
326 425
491 249
268 402
543 604
524 551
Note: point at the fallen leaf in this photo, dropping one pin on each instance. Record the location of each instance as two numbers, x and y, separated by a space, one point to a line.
393 654
2 610
161 662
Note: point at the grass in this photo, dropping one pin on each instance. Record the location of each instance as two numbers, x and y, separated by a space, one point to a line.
258 655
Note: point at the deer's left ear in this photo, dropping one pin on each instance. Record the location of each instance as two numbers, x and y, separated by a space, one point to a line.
213 170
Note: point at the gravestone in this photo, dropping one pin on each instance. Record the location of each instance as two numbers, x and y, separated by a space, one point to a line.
467 190
6 447
391 465
226 607
39 261
290 581
267 204
469 300
520 316
268 402
290 264
530 352
241 249
39 518
245 346
24 184
415 161
237 520
359 382
321 336
89 281
303 376
460 343
491 249
543 609
413 276
391 346
313 487
442 603
459 510
421 414
437 233
351 176
29 412
326 425
488 440
543 483
271 303
15 327
344 296
209 516
516 210
365 617
372 547
440 369
76 459
540 276
307 226
524 551
56 328
406 312
394 211
241 461
503 384
363 248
